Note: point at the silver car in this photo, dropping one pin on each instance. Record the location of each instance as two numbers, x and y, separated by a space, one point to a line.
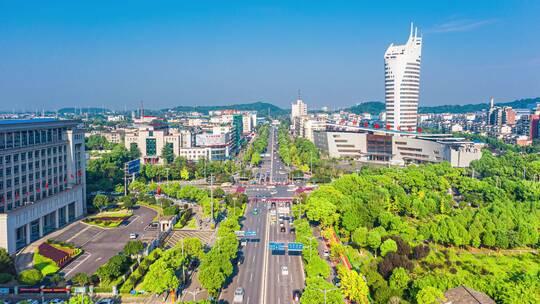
238 295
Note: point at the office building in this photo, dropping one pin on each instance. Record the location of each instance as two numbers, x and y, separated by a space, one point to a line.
396 148
298 109
42 179
402 83
151 139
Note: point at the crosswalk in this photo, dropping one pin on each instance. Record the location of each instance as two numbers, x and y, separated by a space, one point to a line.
206 236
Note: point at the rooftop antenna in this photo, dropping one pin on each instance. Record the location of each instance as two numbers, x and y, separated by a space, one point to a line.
142 109
491 103
299 94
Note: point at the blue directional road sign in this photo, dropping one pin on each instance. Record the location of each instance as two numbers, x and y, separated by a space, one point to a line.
133 166
251 233
295 246
276 246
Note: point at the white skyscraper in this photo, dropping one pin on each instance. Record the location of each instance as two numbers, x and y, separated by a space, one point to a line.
298 109
402 82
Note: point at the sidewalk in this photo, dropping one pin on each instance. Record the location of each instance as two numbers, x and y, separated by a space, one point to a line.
24 258
194 290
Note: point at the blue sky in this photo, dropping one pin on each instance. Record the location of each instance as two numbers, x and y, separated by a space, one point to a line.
167 53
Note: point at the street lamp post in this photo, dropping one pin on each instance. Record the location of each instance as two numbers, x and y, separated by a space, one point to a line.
310 246
325 291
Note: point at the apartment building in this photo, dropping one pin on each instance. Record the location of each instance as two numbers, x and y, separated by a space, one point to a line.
42 178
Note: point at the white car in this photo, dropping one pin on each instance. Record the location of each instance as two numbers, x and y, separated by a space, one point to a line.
284 270
243 243
133 236
238 295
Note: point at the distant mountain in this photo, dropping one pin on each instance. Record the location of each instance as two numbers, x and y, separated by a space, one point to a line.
372 107
263 108
82 110
526 103
375 107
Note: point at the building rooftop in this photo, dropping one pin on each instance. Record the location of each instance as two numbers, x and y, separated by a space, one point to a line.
26 121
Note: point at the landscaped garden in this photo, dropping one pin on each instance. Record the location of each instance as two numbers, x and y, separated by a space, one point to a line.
109 219
52 256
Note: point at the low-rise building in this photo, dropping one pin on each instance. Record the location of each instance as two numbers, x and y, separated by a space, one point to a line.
398 148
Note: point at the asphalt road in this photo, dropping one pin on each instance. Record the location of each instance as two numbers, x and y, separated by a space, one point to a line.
250 272
101 244
261 272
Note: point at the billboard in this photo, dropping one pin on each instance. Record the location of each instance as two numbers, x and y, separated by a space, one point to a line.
133 166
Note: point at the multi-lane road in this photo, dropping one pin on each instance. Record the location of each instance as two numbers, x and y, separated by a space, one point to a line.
260 273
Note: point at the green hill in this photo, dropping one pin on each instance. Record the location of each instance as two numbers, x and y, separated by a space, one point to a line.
375 107
263 108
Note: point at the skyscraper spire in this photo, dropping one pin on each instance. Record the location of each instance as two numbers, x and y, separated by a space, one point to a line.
410 35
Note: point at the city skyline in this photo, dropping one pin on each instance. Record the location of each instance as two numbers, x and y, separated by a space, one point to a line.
187 54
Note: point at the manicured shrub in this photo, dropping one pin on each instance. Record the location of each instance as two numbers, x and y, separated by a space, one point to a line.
30 277
5 277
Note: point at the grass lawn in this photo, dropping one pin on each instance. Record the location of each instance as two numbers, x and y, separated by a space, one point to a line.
45 265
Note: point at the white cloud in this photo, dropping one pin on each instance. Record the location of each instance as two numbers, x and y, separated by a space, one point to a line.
459 25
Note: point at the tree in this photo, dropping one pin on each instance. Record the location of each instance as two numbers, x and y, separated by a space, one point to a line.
211 278
184 173
112 269
399 278
317 267
81 279
430 295
255 159
133 247
388 246
100 201
6 262
167 153
80 299
160 278
315 290
30 277
359 236
374 239
353 285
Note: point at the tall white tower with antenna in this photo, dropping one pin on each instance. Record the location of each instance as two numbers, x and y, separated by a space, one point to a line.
402 82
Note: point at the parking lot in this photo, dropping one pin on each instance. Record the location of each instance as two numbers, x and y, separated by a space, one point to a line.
100 244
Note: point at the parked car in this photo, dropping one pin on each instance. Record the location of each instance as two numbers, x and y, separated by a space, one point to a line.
284 270
238 295
133 235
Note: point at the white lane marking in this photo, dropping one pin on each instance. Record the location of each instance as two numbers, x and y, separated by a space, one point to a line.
251 277
80 262
262 299
248 300
253 260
